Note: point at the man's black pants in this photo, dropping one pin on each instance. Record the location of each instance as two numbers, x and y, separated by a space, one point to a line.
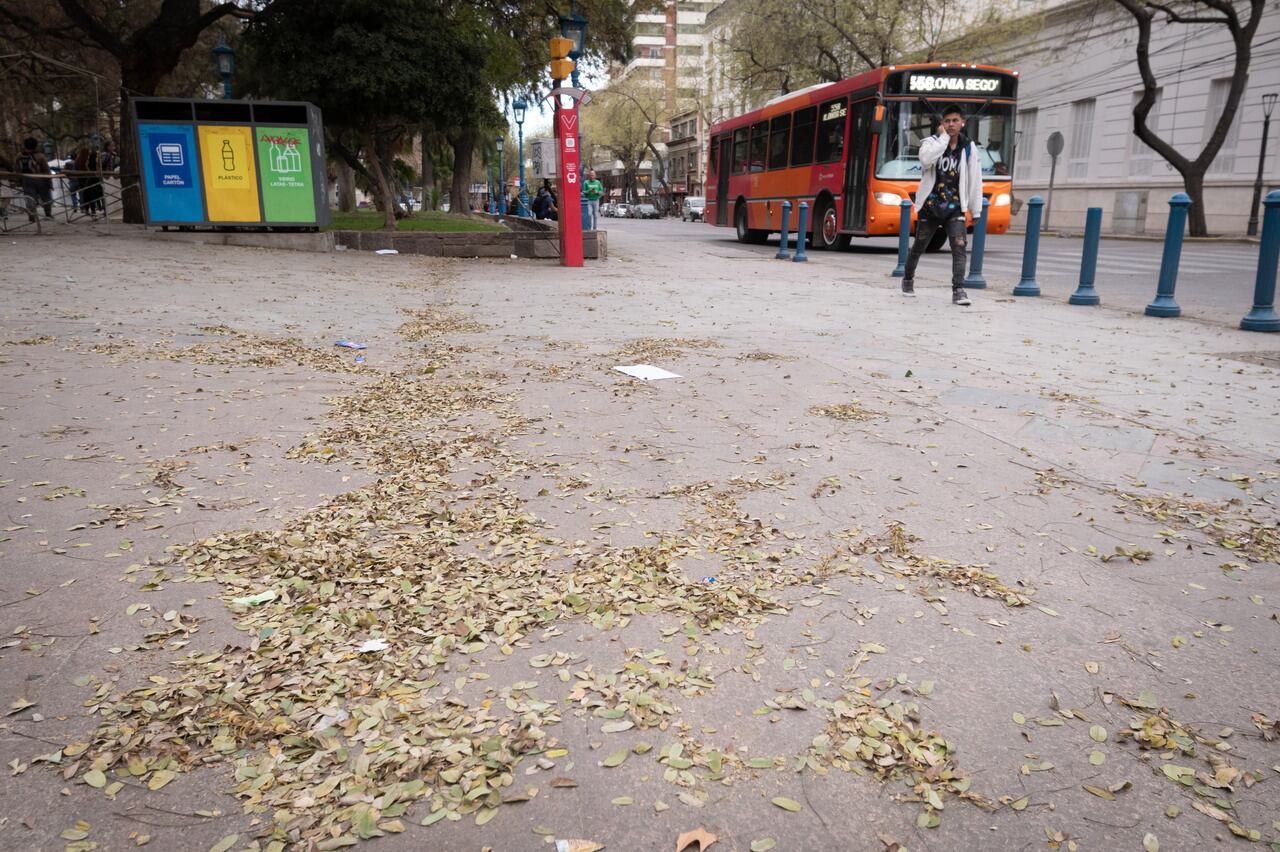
925 229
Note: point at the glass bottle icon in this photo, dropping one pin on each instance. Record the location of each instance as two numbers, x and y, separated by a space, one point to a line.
228 156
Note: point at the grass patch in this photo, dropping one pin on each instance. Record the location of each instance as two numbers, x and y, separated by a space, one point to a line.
423 220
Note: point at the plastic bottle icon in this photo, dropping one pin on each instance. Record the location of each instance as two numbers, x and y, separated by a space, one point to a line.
228 156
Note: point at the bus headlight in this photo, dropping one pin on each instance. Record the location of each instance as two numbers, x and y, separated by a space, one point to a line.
890 198
1001 200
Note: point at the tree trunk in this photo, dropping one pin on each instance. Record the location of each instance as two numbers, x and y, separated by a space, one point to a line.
1196 221
428 169
463 143
381 187
346 186
130 168
387 146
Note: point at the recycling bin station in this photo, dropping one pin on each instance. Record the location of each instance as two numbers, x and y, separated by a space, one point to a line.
231 164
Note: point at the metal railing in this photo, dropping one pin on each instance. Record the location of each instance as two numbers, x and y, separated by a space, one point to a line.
75 196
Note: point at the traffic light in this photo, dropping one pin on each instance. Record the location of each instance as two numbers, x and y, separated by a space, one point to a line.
561 64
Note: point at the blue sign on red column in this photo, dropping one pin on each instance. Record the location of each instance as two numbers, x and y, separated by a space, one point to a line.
570 187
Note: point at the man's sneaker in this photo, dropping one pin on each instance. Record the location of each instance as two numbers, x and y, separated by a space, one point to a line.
908 288
960 297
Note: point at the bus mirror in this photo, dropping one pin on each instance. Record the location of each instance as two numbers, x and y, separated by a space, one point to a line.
879 113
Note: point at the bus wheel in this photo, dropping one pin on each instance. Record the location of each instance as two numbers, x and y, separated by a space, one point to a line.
826 227
754 236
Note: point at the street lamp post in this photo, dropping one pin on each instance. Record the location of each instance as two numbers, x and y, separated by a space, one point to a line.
1268 104
224 62
518 106
502 181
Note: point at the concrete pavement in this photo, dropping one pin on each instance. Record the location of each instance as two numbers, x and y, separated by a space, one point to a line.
856 527
1215 279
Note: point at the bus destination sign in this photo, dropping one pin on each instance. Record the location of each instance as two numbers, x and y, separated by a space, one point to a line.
942 83
957 82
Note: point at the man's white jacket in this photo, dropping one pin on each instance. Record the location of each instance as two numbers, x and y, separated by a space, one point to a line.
931 150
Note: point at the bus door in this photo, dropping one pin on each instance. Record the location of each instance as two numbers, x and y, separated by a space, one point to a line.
722 179
858 171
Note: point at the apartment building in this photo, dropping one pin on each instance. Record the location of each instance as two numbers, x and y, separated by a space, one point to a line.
670 53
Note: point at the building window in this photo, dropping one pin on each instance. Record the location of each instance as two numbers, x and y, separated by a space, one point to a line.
1025 155
1140 155
1081 138
1225 162
655 74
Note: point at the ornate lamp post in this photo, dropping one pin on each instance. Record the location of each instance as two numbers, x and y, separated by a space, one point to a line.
224 62
518 106
502 181
1268 104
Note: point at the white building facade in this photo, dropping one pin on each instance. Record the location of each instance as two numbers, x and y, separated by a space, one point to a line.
1079 77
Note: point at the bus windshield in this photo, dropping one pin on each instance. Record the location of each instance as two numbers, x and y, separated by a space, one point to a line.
907 122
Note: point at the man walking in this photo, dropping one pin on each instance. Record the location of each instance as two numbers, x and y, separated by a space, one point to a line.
950 190
592 190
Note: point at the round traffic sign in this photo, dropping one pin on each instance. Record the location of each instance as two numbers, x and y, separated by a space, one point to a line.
1055 143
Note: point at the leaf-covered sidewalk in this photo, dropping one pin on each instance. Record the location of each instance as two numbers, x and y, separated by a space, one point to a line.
478 590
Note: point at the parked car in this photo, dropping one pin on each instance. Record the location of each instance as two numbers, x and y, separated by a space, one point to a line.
644 211
608 209
622 211
692 209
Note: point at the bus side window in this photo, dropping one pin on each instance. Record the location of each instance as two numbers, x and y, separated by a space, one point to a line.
714 158
831 131
759 146
779 141
802 136
739 150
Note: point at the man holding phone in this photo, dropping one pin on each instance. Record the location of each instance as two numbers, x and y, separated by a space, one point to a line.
950 191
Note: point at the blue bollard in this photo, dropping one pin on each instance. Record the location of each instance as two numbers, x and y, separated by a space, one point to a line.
975 280
1085 294
802 233
1030 249
904 238
783 253
1164 305
1263 316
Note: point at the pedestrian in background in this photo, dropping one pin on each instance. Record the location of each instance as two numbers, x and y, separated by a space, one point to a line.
89 185
544 204
38 190
950 190
592 190
110 158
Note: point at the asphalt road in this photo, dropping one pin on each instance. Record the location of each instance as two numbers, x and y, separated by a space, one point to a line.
1215 279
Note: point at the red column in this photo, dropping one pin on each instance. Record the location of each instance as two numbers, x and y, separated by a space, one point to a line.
570 186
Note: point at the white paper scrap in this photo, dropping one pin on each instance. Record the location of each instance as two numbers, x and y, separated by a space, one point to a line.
373 645
647 372
386 251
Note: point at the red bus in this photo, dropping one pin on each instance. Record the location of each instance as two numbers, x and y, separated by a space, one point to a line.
849 149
